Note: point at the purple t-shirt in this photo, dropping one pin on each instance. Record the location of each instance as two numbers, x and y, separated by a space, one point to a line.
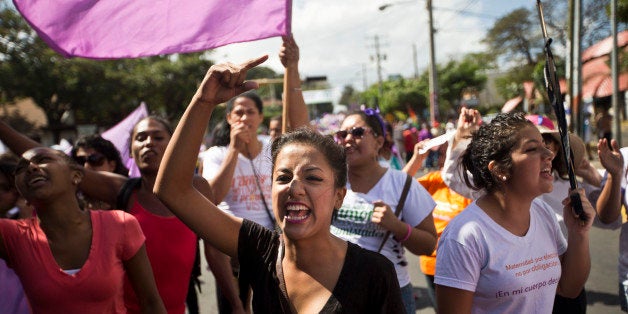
12 298
424 134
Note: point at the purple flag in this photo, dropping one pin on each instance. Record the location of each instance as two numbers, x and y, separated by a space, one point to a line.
120 135
108 29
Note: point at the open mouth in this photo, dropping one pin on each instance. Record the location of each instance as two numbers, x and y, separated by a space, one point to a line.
35 181
297 213
547 172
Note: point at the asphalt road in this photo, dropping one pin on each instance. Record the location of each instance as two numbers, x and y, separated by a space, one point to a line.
602 286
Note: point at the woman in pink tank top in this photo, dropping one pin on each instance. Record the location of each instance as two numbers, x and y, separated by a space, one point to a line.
68 259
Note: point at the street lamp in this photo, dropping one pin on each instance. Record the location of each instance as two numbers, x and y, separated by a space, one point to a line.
386 5
433 76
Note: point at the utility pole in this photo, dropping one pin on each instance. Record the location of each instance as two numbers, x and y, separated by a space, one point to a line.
569 61
614 63
378 58
416 65
364 83
433 79
577 114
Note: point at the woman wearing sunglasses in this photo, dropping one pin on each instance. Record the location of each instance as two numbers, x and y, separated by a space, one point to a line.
367 215
96 153
93 152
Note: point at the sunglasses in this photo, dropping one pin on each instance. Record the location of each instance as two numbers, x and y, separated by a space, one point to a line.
356 132
94 160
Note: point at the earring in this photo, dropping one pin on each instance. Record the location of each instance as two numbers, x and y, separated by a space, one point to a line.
504 178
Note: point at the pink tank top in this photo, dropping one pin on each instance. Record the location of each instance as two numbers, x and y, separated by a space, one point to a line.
171 249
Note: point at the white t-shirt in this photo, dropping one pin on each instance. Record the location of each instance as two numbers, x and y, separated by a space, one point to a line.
243 199
353 221
507 273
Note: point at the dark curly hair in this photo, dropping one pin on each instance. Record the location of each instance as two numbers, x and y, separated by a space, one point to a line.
103 146
334 153
492 142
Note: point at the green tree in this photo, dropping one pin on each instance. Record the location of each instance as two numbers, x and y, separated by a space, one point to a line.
453 78
622 11
457 76
512 37
349 95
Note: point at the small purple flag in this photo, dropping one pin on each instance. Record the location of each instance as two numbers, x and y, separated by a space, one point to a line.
109 29
120 135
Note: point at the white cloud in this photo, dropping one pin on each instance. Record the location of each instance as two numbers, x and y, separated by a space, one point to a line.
336 38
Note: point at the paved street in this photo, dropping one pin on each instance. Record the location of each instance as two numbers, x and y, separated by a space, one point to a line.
602 286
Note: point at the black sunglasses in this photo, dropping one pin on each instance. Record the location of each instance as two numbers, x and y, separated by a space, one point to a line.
356 132
95 160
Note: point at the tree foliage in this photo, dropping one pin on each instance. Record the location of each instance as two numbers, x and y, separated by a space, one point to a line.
512 36
516 37
453 78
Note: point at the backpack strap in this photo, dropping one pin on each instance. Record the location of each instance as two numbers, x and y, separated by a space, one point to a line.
125 192
400 204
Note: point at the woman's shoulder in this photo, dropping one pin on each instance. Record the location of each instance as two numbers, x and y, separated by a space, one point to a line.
543 209
394 178
254 235
470 222
113 217
6 223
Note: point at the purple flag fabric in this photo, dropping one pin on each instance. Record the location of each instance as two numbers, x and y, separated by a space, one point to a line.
120 135
109 29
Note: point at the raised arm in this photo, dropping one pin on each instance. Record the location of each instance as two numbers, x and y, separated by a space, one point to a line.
221 180
17 142
415 163
608 204
174 179
297 110
468 122
588 173
99 185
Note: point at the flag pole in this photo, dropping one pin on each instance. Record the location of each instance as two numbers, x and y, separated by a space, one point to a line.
287 91
286 95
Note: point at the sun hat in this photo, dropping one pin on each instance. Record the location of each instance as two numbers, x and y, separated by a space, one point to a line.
546 126
541 120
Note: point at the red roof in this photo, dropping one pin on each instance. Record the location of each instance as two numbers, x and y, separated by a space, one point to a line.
604 46
602 86
597 81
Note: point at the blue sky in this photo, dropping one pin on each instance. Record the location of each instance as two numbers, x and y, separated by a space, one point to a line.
336 38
